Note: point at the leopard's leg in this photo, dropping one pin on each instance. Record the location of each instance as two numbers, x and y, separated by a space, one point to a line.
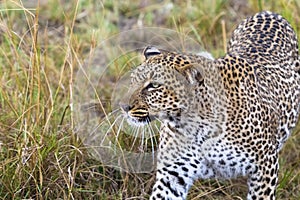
171 183
178 164
174 177
263 181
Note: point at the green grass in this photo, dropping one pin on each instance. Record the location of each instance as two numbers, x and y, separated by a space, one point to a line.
42 48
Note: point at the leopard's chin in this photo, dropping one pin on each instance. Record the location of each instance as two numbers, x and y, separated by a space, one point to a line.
139 121
137 116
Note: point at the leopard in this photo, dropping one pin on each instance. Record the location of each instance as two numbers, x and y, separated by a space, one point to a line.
224 117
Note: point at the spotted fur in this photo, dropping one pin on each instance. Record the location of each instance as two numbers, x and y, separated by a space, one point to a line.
221 118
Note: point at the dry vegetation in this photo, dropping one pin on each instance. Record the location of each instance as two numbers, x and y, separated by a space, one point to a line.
43 45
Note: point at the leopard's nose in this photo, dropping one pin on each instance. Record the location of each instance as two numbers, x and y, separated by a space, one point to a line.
125 107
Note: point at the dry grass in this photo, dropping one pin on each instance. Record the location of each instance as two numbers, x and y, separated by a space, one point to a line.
41 49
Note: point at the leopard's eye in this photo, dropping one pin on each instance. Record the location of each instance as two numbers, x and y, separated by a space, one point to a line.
155 85
152 86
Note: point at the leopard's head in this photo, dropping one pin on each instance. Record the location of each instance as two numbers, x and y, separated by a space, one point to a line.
161 87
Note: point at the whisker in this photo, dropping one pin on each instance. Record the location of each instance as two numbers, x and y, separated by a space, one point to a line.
134 134
158 129
102 123
151 139
158 120
109 116
119 129
121 126
114 111
152 148
135 137
134 131
146 143
138 131
95 131
152 134
142 140
111 126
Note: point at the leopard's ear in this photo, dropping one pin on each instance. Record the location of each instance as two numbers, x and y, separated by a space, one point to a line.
192 73
150 51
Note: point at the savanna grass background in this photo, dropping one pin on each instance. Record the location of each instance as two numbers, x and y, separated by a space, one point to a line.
42 45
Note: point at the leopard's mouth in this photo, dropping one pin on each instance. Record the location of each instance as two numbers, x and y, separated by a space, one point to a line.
137 116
